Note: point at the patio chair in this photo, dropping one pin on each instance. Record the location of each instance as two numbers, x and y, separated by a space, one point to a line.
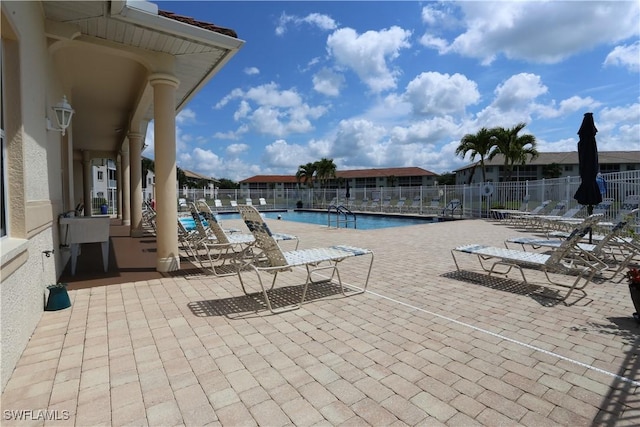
386 204
535 221
451 207
362 205
517 218
416 204
627 211
274 261
502 214
611 249
231 248
434 207
399 205
562 260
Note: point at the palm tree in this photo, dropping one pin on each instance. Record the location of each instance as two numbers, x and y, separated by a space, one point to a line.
306 174
325 170
478 144
515 149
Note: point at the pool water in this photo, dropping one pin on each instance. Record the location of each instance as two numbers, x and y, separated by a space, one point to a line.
363 221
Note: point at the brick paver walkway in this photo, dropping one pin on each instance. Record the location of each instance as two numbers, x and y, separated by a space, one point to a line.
424 346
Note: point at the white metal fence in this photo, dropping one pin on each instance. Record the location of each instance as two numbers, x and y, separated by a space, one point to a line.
477 200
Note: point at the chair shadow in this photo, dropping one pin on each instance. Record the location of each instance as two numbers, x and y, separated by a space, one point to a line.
252 304
543 295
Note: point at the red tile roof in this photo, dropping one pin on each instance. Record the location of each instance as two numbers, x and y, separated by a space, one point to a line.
348 174
207 26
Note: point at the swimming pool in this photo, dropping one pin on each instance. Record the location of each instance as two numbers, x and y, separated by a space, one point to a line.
363 221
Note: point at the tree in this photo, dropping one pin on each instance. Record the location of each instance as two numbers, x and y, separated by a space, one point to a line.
227 184
553 170
478 144
515 149
181 177
325 170
306 174
447 178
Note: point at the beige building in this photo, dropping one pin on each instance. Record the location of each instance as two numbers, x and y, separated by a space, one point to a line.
357 178
120 65
610 161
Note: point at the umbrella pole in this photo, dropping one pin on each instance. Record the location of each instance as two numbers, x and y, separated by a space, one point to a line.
589 213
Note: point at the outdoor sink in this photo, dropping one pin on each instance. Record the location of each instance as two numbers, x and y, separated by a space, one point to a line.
83 229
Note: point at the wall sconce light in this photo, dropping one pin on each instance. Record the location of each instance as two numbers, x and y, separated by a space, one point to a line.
63 116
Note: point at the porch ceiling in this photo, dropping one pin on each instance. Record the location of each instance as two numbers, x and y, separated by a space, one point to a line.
104 62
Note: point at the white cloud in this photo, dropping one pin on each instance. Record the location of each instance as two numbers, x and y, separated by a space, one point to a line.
323 22
328 82
281 154
367 54
542 31
277 112
566 107
186 116
518 91
440 94
237 149
251 71
625 56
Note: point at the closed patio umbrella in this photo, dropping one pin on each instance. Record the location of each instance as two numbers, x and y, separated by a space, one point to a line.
588 193
348 194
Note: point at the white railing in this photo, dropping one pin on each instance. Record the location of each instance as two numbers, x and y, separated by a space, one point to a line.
477 199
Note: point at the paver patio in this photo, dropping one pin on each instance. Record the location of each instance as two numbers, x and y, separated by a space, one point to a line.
424 346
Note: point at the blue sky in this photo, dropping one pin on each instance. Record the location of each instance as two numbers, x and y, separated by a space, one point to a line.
374 84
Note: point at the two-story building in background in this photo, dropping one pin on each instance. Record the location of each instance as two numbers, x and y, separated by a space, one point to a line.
566 163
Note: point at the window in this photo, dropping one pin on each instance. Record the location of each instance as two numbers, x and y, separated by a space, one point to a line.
609 167
100 175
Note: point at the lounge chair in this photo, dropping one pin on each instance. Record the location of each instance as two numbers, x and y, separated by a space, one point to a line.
434 207
416 204
502 214
399 205
561 260
262 201
629 207
386 204
535 221
451 207
362 205
274 261
217 204
518 218
231 248
233 203
612 249
248 201
375 205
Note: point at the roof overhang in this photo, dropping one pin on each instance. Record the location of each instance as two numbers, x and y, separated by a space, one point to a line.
104 53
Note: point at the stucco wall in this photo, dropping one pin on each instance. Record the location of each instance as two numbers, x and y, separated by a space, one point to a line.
27 271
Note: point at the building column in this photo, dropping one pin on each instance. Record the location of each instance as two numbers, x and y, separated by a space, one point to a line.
87 183
135 175
164 119
126 190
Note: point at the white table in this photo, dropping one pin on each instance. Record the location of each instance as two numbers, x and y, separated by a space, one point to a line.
85 229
